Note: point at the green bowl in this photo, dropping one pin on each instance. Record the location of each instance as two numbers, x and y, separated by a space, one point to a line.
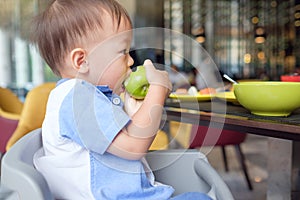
268 98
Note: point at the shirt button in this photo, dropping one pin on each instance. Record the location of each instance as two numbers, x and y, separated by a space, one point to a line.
116 100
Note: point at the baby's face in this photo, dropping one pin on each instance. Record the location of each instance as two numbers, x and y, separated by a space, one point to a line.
109 60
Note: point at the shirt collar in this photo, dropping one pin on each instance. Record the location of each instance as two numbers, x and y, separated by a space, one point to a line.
102 88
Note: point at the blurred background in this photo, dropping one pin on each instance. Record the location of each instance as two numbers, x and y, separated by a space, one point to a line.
247 39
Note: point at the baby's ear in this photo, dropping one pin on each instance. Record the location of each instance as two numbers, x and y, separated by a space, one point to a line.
79 63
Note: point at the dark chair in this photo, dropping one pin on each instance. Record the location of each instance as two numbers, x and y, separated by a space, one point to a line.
7 127
200 137
10 110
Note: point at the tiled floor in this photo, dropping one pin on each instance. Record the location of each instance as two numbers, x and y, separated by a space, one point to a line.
255 149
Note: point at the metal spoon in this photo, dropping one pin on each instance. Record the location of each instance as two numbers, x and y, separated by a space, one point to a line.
230 79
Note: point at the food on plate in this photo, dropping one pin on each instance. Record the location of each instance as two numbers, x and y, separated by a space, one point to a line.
137 84
181 91
208 90
193 91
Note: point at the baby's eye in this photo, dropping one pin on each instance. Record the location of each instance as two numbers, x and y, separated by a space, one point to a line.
125 51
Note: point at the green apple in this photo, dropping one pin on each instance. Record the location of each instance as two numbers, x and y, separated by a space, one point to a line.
136 84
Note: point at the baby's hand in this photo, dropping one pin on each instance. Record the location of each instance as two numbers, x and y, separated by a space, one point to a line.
157 77
131 105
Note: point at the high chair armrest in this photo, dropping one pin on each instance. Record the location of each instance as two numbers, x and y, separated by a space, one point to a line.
219 190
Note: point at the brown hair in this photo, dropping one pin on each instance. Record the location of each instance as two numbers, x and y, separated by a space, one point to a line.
65 23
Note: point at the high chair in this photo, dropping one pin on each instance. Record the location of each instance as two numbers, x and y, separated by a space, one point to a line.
185 170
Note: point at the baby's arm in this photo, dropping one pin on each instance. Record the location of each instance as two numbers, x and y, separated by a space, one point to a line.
134 140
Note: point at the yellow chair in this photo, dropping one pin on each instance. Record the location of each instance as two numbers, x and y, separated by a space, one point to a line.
33 112
10 105
160 142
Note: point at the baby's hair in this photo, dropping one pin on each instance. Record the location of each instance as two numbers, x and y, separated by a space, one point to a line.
64 25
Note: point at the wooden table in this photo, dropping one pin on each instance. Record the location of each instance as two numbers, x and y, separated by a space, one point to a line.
283 132
240 119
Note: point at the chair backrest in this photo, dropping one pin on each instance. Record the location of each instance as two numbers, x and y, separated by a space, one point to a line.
188 171
9 102
18 173
10 110
200 136
7 127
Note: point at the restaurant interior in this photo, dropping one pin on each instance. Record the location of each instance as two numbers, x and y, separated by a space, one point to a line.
248 40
